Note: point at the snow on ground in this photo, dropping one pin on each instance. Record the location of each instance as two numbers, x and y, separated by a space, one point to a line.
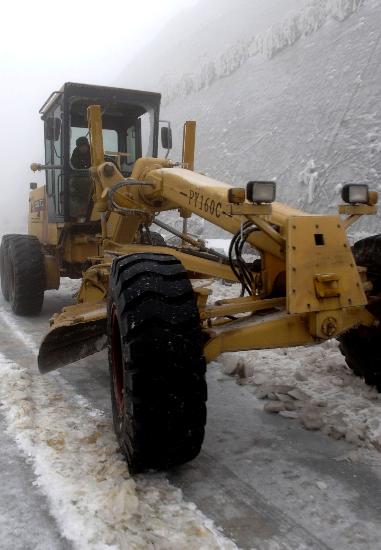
310 385
95 502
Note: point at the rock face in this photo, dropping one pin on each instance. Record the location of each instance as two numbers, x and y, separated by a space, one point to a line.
205 42
306 115
285 31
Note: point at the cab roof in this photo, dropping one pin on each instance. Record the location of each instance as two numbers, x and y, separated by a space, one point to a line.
101 94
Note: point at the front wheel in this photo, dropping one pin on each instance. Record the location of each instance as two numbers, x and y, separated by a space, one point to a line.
157 367
157 239
361 345
362 351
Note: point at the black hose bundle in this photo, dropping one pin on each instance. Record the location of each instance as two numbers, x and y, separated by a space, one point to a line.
238 265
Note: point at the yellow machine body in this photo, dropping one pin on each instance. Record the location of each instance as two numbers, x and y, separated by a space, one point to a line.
308 290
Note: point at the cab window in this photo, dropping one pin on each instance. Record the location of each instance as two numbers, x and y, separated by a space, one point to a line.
110 139
53 158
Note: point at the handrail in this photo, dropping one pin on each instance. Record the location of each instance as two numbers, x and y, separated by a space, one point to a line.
49 100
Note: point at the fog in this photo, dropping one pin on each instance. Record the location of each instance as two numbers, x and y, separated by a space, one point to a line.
283 89
44 44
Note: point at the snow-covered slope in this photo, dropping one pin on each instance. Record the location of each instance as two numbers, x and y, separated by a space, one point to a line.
201 35
299 102
250 39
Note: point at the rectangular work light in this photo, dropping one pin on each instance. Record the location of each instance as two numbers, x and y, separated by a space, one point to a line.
261 191
355 193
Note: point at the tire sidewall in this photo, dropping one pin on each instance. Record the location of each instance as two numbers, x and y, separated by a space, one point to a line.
4 260
26 275
119 415
162 421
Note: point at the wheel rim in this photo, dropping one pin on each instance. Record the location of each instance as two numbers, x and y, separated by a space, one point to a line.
117 362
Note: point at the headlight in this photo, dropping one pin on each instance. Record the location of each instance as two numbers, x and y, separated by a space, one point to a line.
261 191
355 193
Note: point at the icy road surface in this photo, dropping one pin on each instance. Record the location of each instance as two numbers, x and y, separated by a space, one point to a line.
265 480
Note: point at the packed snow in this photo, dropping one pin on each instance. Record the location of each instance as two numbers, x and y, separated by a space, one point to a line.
310 385
72 446
94 500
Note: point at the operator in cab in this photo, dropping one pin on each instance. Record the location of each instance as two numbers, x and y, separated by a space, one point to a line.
80 158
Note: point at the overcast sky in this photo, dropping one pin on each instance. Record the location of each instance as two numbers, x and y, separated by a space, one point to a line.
46 43
78 38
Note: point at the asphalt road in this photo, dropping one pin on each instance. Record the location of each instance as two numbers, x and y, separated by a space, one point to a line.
270 484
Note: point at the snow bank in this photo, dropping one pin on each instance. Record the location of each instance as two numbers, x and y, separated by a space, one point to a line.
96 503
311 385
309 177
268 44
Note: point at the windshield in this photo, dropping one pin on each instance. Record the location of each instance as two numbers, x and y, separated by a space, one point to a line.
128 134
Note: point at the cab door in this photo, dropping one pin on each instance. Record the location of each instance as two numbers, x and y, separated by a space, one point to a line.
54 165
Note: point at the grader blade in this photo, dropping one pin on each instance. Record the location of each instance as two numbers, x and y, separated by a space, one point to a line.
72 338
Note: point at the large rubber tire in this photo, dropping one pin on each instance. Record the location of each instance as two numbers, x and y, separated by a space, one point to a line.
361 346
153 238
157 239
157 367
26 279
367 253
362 351
4 266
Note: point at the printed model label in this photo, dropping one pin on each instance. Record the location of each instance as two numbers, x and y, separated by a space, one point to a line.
204 204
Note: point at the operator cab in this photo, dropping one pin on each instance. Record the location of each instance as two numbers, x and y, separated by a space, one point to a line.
130 121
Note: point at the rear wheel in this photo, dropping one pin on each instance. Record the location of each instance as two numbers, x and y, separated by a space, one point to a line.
152 238
4 265
25 274
157 367
361 345
367 253
157 239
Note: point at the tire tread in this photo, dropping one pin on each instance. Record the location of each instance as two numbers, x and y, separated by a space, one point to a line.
164 380
29 274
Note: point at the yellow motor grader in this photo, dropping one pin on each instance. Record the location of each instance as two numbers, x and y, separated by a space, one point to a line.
149 302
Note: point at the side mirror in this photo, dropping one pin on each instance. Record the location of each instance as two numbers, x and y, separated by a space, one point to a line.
53 129
166 137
